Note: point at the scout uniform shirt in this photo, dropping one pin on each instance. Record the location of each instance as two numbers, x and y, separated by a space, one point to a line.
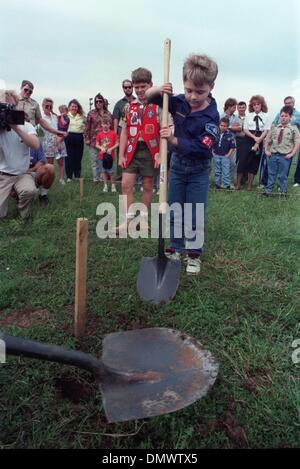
289 138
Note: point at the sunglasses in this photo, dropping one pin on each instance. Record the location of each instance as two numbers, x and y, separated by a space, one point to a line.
127 87
99 101
28 90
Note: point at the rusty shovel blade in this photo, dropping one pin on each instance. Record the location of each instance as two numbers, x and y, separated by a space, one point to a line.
142 373
166 371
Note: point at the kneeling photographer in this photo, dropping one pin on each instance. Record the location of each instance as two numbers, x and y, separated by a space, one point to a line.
16 139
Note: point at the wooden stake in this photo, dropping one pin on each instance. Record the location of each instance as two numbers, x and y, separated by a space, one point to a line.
81 190
80 279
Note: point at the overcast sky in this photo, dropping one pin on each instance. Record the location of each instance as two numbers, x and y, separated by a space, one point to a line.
75 48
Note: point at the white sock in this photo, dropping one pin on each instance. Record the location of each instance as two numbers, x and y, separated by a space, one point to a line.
43 191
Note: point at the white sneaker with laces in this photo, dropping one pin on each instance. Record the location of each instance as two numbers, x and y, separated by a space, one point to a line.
296 184
105 188
174 256
193 265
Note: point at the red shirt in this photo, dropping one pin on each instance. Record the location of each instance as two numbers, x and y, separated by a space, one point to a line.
106 140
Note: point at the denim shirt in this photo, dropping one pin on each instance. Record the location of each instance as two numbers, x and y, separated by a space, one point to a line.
196 132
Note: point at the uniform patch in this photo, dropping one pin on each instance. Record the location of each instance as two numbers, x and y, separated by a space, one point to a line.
133 131
129 149
134 120
153 143
207 141
149 129
151 114
212 129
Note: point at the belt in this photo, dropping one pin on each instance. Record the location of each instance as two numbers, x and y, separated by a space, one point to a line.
2 173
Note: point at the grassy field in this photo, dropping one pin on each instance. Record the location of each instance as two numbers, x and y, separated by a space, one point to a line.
244 307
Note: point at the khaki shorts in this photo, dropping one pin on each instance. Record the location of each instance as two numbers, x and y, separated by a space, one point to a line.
141 162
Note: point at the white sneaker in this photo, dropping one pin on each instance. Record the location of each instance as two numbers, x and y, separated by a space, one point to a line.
62 181
157 192
193 265
69 180
105 188
58 157
296 184
113 188
174 256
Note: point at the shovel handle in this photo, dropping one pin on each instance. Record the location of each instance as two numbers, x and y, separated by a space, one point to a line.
163 141
53 353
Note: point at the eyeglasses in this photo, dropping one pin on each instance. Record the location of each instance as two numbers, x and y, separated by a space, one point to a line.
127 87
28 90
99 101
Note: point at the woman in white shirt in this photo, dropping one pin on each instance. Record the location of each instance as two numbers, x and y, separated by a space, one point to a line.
256 127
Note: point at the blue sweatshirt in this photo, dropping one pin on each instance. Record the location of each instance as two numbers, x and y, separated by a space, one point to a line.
196 132
224 143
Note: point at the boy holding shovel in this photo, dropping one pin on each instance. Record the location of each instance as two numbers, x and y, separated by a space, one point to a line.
196 121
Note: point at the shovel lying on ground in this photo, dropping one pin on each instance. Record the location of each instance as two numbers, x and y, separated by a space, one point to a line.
142 373
158 277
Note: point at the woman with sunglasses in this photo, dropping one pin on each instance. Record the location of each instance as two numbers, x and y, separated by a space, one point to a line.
92 127
50 142
32 108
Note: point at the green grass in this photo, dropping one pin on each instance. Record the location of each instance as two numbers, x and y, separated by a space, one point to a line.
244 308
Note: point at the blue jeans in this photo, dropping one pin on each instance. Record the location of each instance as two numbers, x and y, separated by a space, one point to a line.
188 184
222 171
278 165
297 172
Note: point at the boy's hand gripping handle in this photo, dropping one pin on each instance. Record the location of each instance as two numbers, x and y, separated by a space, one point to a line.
163 141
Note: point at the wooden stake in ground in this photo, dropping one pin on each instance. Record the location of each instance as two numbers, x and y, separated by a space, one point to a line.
81 190
80 279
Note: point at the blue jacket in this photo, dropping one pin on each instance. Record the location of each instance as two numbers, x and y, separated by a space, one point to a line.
196 132
224 144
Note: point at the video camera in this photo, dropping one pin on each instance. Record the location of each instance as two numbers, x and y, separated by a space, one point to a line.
10 116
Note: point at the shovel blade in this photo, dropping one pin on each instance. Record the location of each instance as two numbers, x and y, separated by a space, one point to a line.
174 371
158 279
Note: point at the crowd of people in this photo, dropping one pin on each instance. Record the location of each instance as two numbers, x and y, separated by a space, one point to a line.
124 146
